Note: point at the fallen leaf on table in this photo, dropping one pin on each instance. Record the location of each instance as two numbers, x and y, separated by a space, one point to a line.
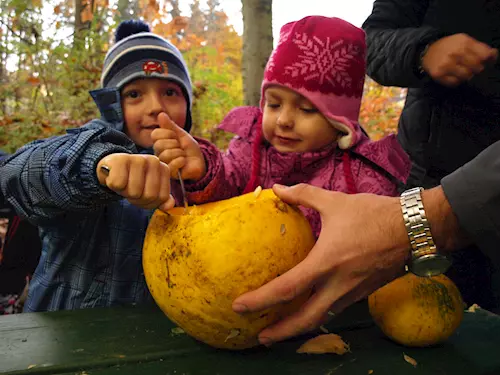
330 343
410 360
473 308
177 331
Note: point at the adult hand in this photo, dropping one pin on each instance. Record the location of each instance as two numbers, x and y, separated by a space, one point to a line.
177 148
142 179
457 58
363 245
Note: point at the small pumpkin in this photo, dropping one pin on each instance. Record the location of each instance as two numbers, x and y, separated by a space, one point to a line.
417 311
196 262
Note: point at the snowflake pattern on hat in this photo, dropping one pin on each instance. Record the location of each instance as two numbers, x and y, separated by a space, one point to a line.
318 60
322 61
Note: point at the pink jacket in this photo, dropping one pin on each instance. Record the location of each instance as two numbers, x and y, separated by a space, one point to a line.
229 172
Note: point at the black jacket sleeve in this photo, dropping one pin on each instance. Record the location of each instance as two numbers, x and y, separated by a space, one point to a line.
474 195
395 37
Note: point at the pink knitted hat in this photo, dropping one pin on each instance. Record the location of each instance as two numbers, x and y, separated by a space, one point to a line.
323 59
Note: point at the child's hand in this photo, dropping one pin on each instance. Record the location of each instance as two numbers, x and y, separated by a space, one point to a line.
142 179
174 146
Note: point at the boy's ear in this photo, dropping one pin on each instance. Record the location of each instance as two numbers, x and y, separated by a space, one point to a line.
108 101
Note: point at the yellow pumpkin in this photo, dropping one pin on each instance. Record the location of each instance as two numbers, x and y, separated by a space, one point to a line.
196 262
417 311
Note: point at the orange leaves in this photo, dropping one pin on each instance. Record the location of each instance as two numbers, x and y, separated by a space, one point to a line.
34 81
87 12
89 8
380 109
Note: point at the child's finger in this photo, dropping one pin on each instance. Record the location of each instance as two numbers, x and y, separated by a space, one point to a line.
160 133
166 123
175 165
165 144
164 189
170 203
152 181
168 155
117 178
136 177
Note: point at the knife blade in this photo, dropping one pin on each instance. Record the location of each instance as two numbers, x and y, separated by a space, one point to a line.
183 190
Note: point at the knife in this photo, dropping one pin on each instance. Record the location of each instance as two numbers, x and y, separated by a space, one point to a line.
105 169
183 190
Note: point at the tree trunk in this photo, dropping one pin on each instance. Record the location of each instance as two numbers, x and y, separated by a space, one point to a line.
257 46
4 42
175 12
78 19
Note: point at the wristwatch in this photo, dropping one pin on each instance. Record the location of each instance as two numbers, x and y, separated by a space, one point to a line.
425 260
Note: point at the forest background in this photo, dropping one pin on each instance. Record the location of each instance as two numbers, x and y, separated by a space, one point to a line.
45 79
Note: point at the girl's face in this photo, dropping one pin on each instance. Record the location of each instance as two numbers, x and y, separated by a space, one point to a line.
142 101
292 124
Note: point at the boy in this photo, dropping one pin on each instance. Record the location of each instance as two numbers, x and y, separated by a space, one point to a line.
93 190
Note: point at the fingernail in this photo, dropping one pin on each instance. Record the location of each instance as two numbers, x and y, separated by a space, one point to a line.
266 341
240 308
279 186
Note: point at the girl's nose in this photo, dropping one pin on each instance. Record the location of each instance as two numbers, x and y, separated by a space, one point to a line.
285 118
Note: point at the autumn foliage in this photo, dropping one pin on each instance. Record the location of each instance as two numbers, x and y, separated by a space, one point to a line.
48 63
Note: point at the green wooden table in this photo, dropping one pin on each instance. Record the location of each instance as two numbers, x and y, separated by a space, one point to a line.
140 340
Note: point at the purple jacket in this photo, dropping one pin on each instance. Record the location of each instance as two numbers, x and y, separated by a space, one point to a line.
228 173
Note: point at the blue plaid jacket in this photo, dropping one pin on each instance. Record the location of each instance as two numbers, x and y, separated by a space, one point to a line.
92 238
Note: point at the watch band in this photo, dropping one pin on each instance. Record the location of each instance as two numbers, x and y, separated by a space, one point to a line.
417 226
425 257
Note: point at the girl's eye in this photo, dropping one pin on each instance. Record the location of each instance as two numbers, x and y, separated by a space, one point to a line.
309 110
133 94
272 105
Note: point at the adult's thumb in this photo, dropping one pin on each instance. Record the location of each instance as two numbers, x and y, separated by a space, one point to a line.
304 195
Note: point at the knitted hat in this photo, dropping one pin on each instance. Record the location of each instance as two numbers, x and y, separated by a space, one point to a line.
138 53
322 59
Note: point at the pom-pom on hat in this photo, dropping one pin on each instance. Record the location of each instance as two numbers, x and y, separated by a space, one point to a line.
138 53
323 59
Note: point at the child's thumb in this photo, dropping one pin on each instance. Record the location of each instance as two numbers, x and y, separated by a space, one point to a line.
166 123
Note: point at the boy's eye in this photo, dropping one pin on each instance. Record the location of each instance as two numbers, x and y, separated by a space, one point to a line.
171 92
132 94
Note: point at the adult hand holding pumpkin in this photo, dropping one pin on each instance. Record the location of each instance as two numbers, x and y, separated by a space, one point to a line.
352 257
363 245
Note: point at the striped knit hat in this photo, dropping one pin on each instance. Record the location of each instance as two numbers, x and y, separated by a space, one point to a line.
138 53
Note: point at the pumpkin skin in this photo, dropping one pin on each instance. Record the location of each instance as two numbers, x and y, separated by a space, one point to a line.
197 263
417 311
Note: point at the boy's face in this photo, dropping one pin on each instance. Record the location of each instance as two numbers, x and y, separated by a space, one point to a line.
291 123
142 101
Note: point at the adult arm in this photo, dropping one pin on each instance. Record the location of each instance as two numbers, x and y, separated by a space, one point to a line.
395 38
473 192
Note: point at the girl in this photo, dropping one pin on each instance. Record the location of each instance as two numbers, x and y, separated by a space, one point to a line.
305 131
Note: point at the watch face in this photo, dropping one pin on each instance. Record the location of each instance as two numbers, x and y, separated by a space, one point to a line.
430 265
